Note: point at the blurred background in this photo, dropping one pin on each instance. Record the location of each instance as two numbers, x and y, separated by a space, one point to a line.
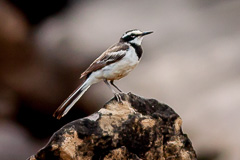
191 63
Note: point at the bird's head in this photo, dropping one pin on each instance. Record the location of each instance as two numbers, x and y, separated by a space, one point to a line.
134 36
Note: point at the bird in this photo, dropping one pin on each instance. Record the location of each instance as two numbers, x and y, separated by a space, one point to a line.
113 64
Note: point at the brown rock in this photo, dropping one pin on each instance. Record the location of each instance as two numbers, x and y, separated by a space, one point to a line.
138 128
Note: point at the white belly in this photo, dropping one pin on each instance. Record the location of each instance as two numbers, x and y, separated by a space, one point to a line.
120 68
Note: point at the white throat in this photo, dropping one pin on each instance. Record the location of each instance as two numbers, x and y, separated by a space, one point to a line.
137 40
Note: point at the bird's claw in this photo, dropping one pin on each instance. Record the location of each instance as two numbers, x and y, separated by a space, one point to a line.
118 97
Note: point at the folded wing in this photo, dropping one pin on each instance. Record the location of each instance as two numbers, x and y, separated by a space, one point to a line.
111 55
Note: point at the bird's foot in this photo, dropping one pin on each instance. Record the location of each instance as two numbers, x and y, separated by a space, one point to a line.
118 97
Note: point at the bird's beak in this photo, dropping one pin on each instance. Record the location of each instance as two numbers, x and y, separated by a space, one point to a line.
146 33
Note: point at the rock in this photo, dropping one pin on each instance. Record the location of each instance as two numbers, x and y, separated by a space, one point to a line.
137 128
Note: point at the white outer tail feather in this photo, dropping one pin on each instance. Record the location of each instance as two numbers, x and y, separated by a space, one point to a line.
72 99
76 99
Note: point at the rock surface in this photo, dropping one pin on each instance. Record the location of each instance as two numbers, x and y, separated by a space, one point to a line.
137 128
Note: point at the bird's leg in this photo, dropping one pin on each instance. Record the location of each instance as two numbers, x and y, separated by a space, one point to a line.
106 82
115 86
118 96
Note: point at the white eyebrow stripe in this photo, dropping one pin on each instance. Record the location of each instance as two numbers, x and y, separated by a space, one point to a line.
125 35
129 33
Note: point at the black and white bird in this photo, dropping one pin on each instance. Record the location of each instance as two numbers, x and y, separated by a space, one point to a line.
113 64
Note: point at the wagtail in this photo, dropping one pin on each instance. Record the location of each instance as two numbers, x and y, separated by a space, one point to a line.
113 64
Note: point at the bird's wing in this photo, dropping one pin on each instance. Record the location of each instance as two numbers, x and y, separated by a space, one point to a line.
111 55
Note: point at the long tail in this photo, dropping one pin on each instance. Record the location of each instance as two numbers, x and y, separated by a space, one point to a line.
71 100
